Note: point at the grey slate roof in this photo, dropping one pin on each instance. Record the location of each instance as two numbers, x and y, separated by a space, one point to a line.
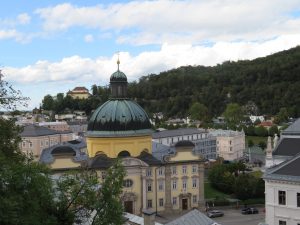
293 129
287 171
177 132
292 168
287 147
104 162
72 147
100 162
160 150
193 217
149 158
32 130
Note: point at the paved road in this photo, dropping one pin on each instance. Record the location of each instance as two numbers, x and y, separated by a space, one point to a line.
231 217
234 217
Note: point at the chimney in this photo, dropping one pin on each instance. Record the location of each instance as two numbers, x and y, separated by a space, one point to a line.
149 217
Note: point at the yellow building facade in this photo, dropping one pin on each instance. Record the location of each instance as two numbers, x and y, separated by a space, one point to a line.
121 128
113 146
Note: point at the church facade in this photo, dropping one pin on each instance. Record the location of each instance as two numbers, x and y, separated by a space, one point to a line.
121 128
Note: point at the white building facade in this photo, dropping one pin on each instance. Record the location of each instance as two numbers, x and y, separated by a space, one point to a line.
205 143
230 144
283 194
282 178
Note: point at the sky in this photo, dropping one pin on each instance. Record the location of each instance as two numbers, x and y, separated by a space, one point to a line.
52 46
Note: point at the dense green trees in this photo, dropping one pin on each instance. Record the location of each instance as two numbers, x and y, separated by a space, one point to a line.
66 104
199 111
261 86
233 114
232 179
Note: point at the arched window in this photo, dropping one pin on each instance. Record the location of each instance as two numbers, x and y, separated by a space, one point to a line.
124 154
100 153
127 183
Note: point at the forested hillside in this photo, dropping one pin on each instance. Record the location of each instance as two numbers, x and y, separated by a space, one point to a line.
270 82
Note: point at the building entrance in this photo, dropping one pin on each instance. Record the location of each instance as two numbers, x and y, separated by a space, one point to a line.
184 204
128 206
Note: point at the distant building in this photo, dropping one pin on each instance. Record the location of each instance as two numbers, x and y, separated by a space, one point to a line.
255 118
58 126
230 144
79 92
204 143
219 120
78 127
36 138
282 178
267 124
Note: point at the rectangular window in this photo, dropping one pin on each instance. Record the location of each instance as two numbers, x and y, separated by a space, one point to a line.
194 199
174 200
184 169
161 202
174 185
281 222
42 143
46 143
23 144
281 197
149 172
161 171
174 170
30 144
298 199
184 185
194 169
149 186
161 185
103 175
149 203
195 181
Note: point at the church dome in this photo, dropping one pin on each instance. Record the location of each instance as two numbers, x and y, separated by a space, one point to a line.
119 117
118 76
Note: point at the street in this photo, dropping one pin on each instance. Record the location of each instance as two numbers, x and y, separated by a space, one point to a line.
235 217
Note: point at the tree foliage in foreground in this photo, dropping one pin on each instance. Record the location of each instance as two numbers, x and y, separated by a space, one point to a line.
109 210
10 98
29 195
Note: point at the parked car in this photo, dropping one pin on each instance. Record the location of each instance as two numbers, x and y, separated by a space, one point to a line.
214 213
249 210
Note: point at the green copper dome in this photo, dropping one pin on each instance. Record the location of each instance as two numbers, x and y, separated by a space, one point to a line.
118 76
119 117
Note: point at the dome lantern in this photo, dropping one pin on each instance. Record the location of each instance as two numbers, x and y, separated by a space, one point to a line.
118 84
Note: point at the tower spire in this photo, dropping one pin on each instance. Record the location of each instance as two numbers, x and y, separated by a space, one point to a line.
118 61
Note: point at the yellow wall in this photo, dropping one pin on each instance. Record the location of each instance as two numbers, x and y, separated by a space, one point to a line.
112 146
64 162
184 156
79 95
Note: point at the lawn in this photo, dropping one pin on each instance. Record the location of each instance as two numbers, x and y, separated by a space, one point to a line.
256 139
210 192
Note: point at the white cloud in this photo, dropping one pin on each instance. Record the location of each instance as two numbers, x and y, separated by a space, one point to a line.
78 69
88 38
72 71
6 34
23 18
147 22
